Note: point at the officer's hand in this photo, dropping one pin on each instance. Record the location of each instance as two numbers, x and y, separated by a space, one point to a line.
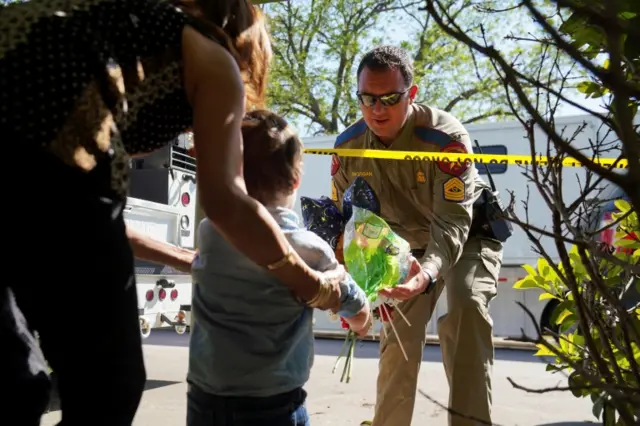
417 281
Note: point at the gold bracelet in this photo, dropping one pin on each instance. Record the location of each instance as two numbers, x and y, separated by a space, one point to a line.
321 297
287 258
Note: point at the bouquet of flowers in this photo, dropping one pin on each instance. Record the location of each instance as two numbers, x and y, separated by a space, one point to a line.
374 255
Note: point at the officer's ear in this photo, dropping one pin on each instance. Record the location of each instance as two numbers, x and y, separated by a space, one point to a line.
413 91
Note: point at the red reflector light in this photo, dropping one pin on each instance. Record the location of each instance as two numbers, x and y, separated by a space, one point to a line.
607 235
174 294
185 199
162 294
149 295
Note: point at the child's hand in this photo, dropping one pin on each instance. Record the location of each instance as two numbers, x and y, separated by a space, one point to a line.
362 322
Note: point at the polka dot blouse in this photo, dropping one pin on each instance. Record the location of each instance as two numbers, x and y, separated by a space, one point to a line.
85 79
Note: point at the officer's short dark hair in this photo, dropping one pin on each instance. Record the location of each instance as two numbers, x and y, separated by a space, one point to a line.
272 155
388 57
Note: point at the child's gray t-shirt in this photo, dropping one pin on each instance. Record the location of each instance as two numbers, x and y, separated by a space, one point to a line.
251 336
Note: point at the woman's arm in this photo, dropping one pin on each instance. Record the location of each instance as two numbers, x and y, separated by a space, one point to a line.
147 248
216 92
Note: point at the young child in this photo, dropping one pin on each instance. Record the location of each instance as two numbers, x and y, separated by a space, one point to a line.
251 348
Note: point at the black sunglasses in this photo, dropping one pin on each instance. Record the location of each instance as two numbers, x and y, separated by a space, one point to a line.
388 99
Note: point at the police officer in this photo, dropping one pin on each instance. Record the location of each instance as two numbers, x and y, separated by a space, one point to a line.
431 205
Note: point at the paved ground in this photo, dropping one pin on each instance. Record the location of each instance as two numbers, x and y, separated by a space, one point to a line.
332 403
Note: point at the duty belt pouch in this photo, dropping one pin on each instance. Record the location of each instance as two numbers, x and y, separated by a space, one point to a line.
489 217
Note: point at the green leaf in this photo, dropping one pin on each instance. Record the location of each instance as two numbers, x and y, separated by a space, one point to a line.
578 339
543 351
584 87
577 382
598 406
542 283
568 322
623 242
543 268
606 64
525 283
564 315
547 296
530 270
574 255
622 205
609 415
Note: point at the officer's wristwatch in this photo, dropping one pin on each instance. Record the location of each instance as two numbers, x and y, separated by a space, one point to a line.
432 281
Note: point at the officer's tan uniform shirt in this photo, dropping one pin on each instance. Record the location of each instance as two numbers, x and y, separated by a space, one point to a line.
427 203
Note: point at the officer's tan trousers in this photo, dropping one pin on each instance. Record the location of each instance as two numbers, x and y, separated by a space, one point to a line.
465 338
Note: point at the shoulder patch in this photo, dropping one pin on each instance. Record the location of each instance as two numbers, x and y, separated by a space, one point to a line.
335 164
454 168
432 136
352 132
453 190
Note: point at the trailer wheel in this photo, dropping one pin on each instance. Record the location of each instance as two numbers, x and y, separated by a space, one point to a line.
145 328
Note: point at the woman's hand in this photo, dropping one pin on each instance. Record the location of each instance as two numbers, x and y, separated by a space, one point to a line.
332 279
146 248
184 259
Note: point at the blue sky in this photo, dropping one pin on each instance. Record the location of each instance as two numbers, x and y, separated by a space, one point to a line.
401 33
399 30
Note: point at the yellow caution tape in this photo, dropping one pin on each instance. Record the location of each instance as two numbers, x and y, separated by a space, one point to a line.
460 158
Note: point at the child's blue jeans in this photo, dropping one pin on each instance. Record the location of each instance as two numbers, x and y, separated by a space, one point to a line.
286 409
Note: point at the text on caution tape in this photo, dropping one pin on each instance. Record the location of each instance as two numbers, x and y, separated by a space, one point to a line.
524 160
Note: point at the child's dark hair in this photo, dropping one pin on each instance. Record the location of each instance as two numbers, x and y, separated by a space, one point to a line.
272 155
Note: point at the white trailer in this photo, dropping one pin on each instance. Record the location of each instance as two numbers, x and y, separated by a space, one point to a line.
162 206
494 138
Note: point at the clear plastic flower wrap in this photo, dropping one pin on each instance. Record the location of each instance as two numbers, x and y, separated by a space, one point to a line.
375 256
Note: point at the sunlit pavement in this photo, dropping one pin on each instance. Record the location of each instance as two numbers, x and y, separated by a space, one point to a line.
333 403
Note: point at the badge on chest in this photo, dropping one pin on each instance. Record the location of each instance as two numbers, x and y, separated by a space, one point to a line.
453 190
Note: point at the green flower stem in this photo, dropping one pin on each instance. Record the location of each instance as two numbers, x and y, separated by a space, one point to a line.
345 370
351 356
341 354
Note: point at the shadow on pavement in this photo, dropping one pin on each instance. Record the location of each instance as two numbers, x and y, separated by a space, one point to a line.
585 423
167 337
54 402
330 347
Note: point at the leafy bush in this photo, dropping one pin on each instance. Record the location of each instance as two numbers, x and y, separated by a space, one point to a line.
598 341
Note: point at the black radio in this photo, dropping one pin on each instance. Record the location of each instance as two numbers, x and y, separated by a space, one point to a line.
490 218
